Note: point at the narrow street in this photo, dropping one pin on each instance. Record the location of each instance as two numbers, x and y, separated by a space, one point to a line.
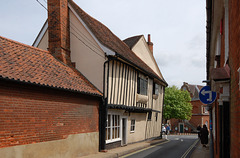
177 146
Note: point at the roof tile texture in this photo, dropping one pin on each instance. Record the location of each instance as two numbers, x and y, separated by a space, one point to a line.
29 64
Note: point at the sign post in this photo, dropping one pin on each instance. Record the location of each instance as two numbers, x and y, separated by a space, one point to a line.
207 96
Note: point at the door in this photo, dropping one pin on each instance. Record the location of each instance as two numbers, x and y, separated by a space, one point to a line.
124 131
181 125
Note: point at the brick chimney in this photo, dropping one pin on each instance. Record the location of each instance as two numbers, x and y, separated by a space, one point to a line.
58 30
150 44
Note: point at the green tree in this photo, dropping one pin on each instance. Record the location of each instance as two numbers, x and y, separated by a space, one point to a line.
177 104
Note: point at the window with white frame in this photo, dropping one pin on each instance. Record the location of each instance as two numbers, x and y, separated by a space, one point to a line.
113 128
132 129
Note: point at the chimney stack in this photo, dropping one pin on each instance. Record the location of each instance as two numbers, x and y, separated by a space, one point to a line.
150 44
58 30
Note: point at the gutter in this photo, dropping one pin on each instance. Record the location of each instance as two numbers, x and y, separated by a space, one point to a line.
48 86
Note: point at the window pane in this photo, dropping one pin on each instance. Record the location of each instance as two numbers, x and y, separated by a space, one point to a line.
113 133
116 132
156 89
116 120
113 120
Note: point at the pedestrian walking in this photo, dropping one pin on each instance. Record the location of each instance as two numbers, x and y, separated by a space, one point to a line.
198 130
204 136
168 129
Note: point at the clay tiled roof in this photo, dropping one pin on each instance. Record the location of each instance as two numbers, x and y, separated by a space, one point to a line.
193 89
222 73
24 63
131 41
108 39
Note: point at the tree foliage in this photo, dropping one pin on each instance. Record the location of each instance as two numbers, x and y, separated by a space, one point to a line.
177 104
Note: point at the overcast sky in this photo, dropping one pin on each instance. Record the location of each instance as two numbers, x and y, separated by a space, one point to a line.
177 28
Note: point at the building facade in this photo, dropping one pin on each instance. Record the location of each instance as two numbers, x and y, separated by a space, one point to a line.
200 114
223 18
45 105
132 85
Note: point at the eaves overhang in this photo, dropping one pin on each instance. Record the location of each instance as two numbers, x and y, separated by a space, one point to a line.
220 74
131 108
155 77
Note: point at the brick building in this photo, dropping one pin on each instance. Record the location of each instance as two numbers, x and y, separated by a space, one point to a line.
47 108
200 114
223 66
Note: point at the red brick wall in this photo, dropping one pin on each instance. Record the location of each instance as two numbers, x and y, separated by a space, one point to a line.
198 117
234 62
32 114
197 106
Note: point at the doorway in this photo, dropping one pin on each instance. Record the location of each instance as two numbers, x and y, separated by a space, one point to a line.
181 127
124 131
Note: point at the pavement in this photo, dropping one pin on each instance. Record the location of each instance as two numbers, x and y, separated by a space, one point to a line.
199 151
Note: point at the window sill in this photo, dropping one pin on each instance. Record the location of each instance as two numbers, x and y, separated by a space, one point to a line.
113 140
132 132
142 98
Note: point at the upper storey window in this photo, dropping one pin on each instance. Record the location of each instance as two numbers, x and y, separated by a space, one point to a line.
155 89
142 86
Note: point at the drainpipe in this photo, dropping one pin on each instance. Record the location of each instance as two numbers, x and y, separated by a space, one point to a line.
208 31
103 114
162 111
103 110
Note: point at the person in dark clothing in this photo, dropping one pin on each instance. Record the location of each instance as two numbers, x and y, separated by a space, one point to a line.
204 135
198 130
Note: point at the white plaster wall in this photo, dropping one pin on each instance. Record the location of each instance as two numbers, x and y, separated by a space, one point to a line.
43 44
86 53
142 51
140 127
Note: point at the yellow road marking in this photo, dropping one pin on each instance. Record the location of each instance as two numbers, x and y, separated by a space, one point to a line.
189 149
152 146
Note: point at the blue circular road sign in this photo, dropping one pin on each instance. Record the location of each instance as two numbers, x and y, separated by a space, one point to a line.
207 96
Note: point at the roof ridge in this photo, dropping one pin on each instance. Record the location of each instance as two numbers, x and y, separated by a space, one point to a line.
132 41
133 37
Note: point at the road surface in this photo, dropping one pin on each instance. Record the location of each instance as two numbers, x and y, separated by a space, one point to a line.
177 146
